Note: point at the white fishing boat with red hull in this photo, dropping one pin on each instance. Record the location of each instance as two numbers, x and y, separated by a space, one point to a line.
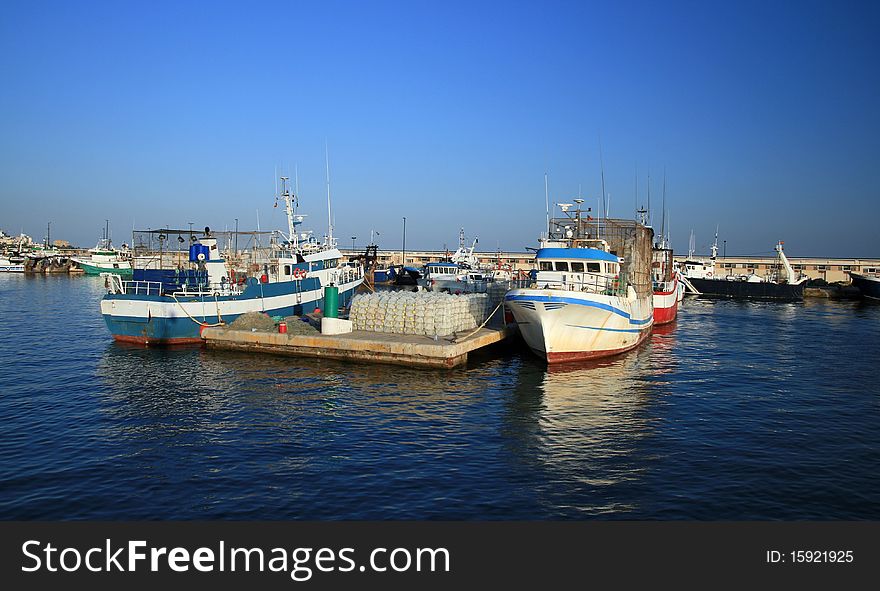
592 294
666 286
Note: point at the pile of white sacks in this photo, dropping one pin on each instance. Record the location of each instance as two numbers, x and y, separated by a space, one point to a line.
418 313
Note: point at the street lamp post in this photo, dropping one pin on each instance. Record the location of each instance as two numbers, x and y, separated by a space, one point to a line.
353 238
48 234
236 236
403 262
725 249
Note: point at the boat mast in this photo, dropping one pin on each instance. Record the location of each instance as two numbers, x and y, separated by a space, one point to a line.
329 209
715 245
289 208
547 204
602 175
663 218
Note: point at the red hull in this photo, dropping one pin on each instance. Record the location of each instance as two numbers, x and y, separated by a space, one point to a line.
152 341
665 315
570 356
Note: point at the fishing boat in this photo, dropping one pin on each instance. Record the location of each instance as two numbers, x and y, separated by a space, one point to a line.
450 277
105 258
592 295
868 284
460 272
782 284
668 291
11 264
664 278
174 306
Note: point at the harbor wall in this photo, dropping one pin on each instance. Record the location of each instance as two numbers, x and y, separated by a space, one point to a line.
827 268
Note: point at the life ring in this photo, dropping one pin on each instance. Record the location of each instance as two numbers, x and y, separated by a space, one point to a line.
708 273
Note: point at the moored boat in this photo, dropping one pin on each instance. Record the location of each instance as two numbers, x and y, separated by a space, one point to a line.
868 284
783 284
173 306
11 264
587 301
665 284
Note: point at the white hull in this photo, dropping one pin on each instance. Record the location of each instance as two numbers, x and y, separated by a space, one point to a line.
208 309
561 325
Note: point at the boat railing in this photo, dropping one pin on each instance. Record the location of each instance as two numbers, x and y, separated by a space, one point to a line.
664 286
140 287
224 288
346 274
583 282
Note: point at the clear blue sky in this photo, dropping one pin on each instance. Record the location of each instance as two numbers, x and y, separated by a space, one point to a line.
764 116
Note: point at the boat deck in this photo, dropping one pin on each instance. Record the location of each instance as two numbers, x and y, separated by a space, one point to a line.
410 350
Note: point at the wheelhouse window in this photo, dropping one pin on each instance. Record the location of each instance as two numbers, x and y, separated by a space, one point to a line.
546 266
577 267
287 269
594 267
562 265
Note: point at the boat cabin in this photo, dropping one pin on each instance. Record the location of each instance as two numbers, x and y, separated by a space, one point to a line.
578 269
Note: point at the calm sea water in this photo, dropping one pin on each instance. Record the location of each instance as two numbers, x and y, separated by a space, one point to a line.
739 411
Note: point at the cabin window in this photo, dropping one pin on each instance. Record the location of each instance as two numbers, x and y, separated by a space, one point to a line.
287 269
821 267
577 267
870 269
846 268
561 265
546 266
594 267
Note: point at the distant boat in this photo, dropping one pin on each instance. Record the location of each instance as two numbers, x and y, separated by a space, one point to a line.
11 265
460 272
104 258
868 284
785 284
450 277
404 275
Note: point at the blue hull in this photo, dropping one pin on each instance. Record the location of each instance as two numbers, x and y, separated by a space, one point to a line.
183 330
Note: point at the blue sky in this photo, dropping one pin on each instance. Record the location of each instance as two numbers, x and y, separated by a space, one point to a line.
762 114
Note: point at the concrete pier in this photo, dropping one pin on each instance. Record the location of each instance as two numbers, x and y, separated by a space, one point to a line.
360 345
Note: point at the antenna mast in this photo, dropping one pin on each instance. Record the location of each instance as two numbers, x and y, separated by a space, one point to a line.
602 173
547 204
329 210
663 219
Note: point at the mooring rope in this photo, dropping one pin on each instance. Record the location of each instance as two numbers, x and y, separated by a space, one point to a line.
476 330
199 322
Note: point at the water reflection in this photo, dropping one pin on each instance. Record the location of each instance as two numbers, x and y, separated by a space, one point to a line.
585 426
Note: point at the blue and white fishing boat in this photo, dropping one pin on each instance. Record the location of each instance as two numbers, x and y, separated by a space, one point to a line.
11 264
175 306
586 300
